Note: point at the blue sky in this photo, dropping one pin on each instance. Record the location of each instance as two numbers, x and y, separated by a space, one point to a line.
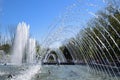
39 14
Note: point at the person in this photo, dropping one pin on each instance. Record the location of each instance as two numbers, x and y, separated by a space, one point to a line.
10 76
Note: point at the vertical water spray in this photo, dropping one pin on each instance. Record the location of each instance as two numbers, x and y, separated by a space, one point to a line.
31 53
20 41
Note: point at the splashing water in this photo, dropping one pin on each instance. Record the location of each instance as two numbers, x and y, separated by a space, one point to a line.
97 47
29 73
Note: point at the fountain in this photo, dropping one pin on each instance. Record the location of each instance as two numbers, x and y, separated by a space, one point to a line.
20 42
97 45
31 52
94 47
24 48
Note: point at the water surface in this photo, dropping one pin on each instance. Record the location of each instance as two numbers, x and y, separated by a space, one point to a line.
51 72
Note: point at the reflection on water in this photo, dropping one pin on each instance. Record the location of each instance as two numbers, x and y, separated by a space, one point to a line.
62 72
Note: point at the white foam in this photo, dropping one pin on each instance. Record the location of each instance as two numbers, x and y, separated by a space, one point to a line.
29 73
